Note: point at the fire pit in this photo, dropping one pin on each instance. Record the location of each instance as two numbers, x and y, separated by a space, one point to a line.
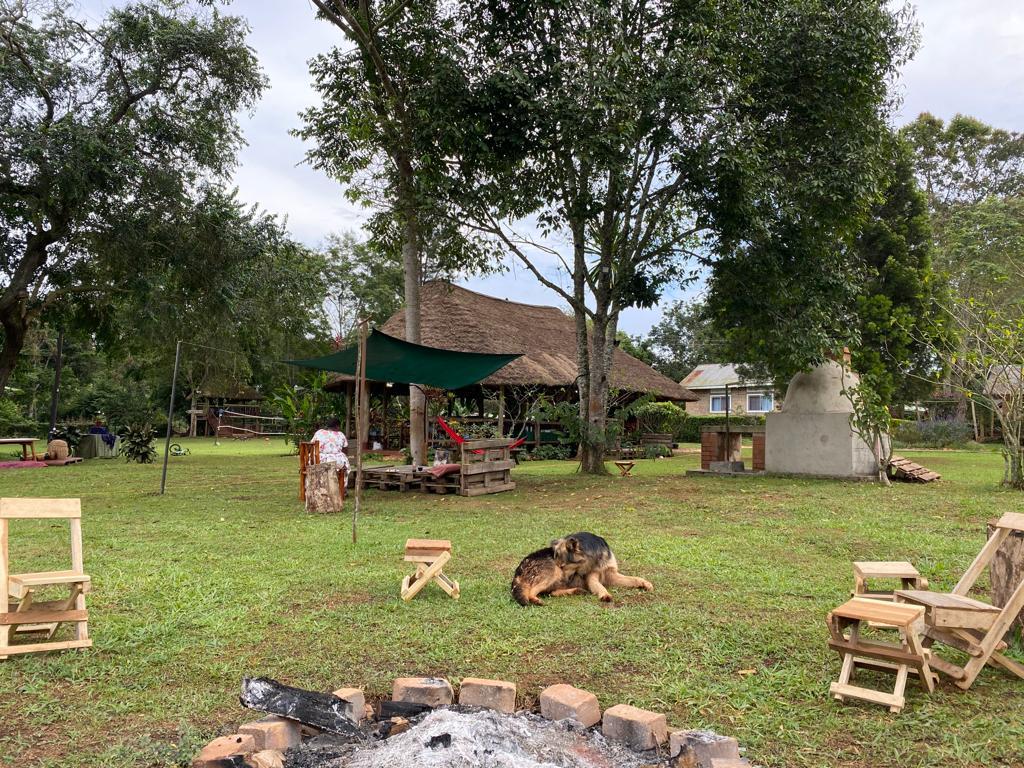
462 737
422 726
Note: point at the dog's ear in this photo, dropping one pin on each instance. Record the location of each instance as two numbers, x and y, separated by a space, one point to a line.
556 542
572 544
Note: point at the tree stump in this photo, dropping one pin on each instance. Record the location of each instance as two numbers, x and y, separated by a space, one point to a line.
323 495
1007 571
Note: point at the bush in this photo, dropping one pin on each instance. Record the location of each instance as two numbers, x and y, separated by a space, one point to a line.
137 443
550 453
689 430
657 452
14 424
931 434
69 433
659 417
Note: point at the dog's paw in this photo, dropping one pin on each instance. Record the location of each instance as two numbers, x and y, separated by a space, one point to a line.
536 601
606 598
646 586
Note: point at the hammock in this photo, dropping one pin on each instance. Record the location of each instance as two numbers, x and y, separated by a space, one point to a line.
459 439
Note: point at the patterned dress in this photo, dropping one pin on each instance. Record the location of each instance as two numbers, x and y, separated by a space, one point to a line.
332 446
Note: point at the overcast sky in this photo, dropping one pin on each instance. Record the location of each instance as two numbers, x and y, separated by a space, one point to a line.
971 61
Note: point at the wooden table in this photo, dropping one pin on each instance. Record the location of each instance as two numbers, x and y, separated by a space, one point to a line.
27 444
625 467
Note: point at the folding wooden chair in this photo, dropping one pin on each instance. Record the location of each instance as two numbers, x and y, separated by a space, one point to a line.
967 624
430 556
23 614
903 658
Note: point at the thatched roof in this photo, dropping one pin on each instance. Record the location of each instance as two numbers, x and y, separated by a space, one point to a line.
456 318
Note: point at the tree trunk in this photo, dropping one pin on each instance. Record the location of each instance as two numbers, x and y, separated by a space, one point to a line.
323 492
411 268
15 326
596 424
1007 571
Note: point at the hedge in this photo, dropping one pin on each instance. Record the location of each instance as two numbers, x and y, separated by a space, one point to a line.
931 434
689 430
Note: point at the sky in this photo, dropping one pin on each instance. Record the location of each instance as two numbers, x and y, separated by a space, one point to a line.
971 61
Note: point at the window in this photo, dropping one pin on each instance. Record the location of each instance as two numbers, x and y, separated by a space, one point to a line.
718 402
759 402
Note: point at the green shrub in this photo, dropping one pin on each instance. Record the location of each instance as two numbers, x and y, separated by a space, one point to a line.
550 453
931 434
137 443
14 424
689 429
657 451
69 433
659 417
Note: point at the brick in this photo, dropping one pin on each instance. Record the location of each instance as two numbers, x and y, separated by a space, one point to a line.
561 702
696 749
491 694
639 728
355 708
273 733
431 691
226 746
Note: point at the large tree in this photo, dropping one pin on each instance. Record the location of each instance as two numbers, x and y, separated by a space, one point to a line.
665 132
99 122
375 131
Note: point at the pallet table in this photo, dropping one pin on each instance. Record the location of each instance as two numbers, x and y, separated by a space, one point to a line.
402 478
430 556
903 658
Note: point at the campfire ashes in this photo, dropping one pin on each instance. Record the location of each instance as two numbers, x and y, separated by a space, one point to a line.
460 737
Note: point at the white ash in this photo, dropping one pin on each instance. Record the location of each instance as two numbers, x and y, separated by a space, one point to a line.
487 739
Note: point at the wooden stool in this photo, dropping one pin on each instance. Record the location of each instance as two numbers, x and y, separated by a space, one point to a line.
625 467
905 572
430 556
909 655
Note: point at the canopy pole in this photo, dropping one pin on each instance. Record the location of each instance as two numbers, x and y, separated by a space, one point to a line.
361 408
170 415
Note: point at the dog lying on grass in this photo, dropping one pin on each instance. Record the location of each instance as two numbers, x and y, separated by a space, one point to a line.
574 564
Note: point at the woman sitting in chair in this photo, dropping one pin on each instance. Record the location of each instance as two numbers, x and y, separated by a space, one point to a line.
332 444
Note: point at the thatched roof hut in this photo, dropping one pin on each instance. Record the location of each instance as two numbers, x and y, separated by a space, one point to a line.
459 319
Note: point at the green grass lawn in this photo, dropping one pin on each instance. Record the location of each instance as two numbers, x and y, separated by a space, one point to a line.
226 576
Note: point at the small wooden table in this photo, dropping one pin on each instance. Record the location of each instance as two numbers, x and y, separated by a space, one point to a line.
909 655
905 572
28 444
430 556
625 467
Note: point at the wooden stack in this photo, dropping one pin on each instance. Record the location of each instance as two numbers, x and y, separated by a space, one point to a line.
909 472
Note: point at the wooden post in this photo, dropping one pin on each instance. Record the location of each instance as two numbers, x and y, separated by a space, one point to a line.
362 406
501 410
348 408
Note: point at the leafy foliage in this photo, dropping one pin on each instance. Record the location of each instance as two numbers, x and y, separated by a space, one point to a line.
931 434
306 409
101 124
685 338
137 443
659 417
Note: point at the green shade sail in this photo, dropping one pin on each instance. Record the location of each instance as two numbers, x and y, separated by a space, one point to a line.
400 361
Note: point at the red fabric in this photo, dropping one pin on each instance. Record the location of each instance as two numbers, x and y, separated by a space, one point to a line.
444 469
459 439
21 464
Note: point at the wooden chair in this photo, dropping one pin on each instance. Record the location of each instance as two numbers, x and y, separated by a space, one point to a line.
969 625
430 556
909 655
23 614
309 454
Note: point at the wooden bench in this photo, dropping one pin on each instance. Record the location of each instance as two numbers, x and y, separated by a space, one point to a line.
485 467
23 614
430 556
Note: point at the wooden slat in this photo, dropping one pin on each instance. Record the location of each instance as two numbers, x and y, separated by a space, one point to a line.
885 570
42 617
863 609
487 466
431 544
1012 520
946 600
27 509
476 445
62 645
878 697
890 653
483 490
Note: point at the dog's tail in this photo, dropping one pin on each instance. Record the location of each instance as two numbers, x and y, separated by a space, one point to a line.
518 593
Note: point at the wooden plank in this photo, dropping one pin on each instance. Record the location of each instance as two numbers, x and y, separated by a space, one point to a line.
1012 520
431 544
476 445
885 570
39 509
883 651
865 609
488 466
945 600
877 697
319 710
41 617
62 645
482 491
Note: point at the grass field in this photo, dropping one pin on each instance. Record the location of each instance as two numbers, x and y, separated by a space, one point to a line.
225 576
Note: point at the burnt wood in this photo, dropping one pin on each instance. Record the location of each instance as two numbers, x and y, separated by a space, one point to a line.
389 709
320 710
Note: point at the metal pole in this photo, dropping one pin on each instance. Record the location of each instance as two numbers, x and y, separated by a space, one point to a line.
55 393
170 414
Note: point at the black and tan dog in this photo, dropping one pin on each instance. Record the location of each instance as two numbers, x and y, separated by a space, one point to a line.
580 562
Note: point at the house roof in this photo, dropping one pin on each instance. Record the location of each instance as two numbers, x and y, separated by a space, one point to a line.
717 376
456 318
1005 380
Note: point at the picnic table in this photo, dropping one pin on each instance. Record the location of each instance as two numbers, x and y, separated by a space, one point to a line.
28 445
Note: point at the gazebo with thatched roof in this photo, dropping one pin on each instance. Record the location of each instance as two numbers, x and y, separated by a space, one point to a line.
456 318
